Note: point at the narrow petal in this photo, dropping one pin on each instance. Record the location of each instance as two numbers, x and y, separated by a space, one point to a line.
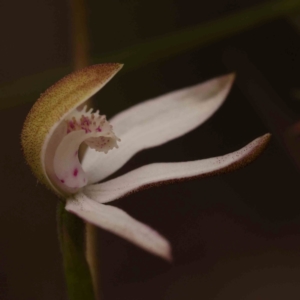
120 223
158 121
159 173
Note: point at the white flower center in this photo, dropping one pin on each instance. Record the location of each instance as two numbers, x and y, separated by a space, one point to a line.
78 127
103 138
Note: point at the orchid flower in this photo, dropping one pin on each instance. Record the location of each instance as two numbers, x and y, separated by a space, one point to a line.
55 128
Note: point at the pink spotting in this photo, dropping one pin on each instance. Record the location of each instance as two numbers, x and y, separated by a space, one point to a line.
75 172
62 181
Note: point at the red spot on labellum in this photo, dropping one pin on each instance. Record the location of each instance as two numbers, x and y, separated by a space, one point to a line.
75 172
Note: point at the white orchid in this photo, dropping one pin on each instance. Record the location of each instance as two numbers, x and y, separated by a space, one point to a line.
55 128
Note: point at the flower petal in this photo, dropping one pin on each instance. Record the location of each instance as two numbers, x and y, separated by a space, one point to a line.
158 173
158 121
66 165
53 105
64 169
120 223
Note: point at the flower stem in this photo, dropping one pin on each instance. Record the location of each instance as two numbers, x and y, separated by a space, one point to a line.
91 255
71 231
80 46
80 40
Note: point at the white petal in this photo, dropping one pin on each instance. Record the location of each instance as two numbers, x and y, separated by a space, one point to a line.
120 223
66 164
158 121
67 173
158 173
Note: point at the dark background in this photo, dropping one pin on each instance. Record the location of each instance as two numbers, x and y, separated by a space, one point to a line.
234 236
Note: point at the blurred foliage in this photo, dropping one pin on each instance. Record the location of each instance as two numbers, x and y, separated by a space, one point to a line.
169 45
184 40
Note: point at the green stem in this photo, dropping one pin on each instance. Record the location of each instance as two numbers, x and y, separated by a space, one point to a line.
71 231
91 256
80 60
80 39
